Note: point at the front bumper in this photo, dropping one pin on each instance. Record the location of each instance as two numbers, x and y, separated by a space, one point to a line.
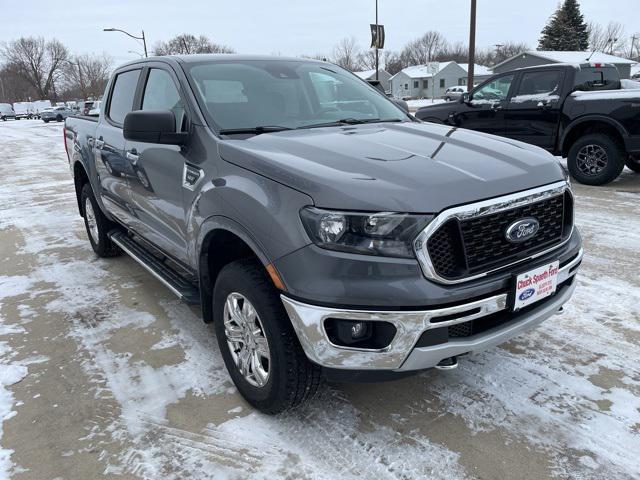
402 354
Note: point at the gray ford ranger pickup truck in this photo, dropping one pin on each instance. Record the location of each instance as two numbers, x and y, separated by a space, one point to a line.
325 232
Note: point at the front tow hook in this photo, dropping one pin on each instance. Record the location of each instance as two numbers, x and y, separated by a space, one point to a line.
448 364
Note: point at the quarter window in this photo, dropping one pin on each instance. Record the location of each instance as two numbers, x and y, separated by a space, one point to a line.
161 93
124 89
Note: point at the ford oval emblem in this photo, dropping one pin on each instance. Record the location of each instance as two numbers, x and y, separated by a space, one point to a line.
522 230
528 293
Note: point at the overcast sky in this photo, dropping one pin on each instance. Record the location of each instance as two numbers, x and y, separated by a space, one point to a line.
287 27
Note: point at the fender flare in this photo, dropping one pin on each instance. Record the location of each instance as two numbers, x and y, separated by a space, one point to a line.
591 118
208 226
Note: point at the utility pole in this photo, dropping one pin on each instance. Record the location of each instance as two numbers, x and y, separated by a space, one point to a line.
377 65
633 42
472 46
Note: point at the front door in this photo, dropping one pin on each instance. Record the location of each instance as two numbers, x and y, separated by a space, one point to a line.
158 170
534 110
112 167
485 109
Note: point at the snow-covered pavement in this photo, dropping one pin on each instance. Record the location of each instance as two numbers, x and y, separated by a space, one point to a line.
103 373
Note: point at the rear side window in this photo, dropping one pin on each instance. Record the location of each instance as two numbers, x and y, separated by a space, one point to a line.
122 95
597 79
539 86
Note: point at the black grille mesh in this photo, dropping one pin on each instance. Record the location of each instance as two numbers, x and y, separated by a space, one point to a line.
468 247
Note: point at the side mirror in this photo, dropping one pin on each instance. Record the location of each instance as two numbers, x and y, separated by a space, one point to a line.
153 126
401 103
464 98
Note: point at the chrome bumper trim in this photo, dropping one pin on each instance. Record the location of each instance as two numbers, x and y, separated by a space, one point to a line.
479 209
308 322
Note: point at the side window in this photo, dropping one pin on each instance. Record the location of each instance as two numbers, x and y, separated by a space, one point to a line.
538 87
494 91
161 93
122 95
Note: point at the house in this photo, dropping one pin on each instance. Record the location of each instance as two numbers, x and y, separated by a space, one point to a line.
383 77
427 81
480 72
534 58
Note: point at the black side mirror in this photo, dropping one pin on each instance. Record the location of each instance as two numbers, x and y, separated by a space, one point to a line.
153 126
464 98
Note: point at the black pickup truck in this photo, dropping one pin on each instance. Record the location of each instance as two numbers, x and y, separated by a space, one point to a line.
578 111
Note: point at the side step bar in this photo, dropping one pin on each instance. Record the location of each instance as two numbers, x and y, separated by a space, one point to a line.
185 290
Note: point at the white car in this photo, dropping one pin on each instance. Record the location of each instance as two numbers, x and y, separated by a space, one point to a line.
95 110
454 93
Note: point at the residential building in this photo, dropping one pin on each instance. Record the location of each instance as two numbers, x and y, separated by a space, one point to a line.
383 77
427 81
480 72
534 58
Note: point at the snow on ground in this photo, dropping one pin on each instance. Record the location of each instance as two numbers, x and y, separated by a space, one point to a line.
423 102
148 395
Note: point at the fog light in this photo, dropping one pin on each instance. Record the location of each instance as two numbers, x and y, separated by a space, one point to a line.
358 330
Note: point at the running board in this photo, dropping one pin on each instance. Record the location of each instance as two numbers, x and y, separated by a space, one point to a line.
184 289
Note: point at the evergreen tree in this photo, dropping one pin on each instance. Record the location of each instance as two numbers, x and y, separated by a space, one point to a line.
566 29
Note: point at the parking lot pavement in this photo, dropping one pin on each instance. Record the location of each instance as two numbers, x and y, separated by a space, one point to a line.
104 373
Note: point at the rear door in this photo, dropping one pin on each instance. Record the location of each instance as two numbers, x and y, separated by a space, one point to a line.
533 112
485 110
111 165
157 182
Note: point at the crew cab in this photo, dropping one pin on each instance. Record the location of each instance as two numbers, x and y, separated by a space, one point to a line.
324 231
577 111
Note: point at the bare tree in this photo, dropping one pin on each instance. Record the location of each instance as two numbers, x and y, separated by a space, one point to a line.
347 54
38 62
87 75
609 39
424 49
186 44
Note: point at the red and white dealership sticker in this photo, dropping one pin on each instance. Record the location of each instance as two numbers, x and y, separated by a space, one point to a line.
536 284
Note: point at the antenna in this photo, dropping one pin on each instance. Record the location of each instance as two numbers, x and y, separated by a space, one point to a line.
589 57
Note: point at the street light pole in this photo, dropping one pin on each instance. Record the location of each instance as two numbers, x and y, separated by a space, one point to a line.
377 66
472 46
143 38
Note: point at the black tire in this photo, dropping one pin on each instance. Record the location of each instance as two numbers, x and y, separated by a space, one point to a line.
59 118
633 163
102 244
447 99
613 162
45 121
292 378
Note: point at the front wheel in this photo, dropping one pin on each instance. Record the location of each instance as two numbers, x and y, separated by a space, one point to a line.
595 159
633 163
257 341
97 225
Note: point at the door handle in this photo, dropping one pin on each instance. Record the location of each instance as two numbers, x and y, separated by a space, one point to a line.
496 107
99 144
132 155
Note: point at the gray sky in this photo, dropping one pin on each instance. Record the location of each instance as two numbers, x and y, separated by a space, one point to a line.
287 27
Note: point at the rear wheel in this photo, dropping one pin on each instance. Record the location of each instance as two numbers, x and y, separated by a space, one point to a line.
595 159
633 163
59 118
97 225
258 344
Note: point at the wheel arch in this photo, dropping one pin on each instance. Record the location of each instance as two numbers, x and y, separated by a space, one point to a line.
591 124
222 241
80 177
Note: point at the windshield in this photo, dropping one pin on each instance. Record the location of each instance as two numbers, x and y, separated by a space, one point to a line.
238 95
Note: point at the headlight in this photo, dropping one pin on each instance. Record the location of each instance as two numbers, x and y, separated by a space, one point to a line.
387 234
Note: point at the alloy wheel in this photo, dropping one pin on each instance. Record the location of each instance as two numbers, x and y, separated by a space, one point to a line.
246 339
591 159
90 217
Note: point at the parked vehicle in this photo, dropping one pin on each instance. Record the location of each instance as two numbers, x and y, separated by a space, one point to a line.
454 93
577 111
24 110
40 105
321 229
86 107
95 110
57 114
6 112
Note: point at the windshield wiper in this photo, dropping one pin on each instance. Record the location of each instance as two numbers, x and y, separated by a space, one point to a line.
257 130
352 121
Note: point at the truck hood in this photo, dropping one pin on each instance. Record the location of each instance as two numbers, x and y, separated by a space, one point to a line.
400 167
